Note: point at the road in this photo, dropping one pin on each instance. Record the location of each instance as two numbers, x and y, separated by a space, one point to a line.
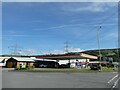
0 77
57 80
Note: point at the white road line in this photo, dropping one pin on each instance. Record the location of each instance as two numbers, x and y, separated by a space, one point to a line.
114 72
115 83
112 78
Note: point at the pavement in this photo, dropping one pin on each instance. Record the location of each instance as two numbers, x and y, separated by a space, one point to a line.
11 79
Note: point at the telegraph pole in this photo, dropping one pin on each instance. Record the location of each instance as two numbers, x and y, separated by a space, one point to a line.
98 39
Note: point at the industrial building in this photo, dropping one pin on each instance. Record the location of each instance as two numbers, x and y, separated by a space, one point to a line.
49 61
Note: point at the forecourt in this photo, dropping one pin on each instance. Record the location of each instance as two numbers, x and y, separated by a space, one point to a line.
58 80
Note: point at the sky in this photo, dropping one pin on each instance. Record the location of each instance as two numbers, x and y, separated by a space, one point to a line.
44 27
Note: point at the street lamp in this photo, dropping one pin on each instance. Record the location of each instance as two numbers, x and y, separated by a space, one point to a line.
98 39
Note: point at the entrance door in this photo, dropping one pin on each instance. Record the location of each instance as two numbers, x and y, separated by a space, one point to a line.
9 64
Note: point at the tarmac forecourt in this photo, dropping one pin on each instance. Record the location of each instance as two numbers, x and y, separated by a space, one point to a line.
0 77
59 80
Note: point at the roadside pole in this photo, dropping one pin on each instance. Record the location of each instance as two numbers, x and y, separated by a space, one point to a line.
98 39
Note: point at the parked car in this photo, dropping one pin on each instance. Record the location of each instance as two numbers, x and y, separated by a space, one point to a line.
64 65
95 66
43 66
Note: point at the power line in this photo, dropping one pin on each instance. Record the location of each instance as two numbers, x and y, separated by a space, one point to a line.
100 24
94 28
15 49
97 26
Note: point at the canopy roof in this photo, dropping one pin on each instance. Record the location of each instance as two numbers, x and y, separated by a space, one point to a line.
68 56
23 59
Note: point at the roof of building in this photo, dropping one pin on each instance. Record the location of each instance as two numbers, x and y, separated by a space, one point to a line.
43 59
68 56
1 60
23 59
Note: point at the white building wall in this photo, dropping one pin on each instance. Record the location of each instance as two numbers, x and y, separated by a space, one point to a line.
3 64
72 61
63 62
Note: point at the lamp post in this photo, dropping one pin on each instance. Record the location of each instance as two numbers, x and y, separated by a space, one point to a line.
98 39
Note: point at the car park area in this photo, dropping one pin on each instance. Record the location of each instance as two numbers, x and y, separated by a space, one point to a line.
14 79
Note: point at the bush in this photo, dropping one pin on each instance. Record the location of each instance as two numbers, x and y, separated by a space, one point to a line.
110 65
24 67
29 67
17 67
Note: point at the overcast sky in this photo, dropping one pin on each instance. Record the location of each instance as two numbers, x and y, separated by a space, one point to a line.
44 27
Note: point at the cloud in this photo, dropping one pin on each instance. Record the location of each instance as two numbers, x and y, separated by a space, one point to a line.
33 21
8 33
57 27
75 50
62 51
54 52
113 35
108 24
29 51
64 26
60 0
16 35
92 7
12 32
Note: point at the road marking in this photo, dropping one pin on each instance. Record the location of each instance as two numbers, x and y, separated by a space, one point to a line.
112 78
40 76
114 72
115 83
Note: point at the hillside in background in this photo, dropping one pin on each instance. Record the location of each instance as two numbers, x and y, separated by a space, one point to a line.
105 53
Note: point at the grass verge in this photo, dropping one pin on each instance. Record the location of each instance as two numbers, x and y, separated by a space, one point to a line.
104 69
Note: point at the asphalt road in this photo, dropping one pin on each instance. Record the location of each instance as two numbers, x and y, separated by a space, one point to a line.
57 80
0 78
